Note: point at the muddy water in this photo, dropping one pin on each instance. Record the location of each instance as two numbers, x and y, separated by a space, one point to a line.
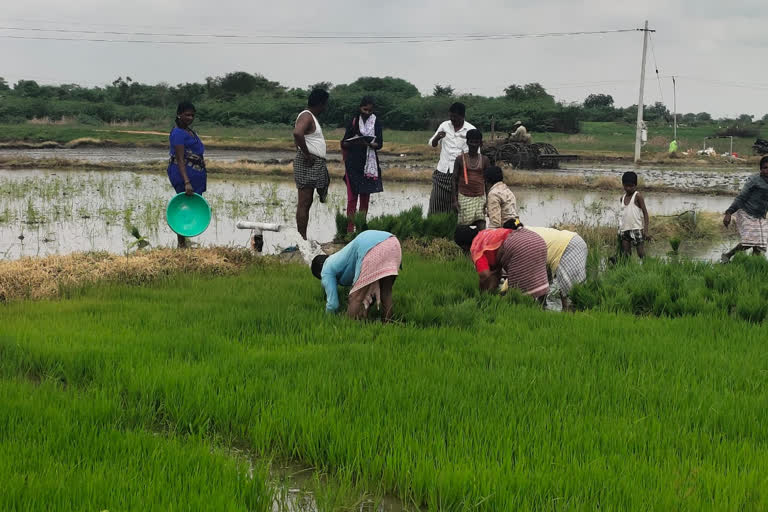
151 154
686 178
728 177
44 212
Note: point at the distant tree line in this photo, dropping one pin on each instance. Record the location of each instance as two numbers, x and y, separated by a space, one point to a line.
245 99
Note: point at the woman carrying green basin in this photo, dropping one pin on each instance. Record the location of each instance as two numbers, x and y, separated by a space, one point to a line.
186 166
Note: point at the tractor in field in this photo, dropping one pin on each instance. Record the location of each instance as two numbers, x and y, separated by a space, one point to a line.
523 155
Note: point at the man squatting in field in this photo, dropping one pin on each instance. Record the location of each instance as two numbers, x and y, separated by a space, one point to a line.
748 211
309 167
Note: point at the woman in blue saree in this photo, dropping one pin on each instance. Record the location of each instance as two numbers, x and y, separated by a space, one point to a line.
186 165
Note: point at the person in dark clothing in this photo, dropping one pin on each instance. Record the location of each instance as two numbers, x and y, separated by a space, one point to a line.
748 212
362 139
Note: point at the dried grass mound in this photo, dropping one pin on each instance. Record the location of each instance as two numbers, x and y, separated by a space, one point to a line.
43 278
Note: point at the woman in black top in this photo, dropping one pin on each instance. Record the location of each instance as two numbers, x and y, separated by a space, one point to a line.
362 139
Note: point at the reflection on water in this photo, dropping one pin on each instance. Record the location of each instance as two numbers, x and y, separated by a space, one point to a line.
46 212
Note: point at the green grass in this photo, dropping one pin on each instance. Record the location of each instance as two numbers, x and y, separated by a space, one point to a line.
125 398
64 133
404 225
620 138
595 138
681 288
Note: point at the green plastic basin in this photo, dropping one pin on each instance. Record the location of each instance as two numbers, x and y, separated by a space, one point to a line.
188 215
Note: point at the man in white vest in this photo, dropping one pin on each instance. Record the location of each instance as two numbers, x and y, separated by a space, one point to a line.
309 167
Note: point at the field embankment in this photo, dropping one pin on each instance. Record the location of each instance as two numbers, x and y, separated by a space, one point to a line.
54 276
606 142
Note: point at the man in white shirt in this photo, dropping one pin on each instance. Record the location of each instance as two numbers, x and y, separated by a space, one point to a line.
452 137
521 134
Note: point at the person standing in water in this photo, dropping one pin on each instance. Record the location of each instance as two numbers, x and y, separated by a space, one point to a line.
361 161
186 166
748 212
633 229
469 182
452 137
309 167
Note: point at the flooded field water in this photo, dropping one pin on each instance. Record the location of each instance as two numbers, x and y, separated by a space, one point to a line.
45 212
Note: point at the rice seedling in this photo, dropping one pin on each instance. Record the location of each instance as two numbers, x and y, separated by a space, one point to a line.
407 224
674 244
680 288
139 242
33 215
152 213
126 397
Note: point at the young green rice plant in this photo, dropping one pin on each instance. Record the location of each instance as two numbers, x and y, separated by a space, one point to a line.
679 288
139 242
467 402
33 214
674 244
7 215
151 213
83 212
405 225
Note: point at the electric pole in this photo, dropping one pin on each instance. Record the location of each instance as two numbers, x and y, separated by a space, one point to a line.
640 101
674 104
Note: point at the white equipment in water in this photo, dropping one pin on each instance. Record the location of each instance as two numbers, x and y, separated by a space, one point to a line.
257 230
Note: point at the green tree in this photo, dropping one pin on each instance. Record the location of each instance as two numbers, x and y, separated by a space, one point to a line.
27 88
326 86
689 118
657 112
4 84
532 91
703 117
442 91
598 101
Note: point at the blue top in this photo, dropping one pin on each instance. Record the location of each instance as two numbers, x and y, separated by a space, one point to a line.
190 142
194 161
343 267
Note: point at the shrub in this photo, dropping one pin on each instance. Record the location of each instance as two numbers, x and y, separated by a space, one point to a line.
749 131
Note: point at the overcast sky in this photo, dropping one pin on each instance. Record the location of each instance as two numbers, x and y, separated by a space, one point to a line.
716 49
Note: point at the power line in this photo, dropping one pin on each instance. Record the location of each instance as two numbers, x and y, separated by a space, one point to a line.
656 66
350 35
286 39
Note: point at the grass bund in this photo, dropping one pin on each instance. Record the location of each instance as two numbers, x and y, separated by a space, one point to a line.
177 394
597 141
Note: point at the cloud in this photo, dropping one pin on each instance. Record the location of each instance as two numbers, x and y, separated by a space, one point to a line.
716 48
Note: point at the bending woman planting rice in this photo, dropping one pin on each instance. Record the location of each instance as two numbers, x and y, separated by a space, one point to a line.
369 264
748 211
521 253
566 259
